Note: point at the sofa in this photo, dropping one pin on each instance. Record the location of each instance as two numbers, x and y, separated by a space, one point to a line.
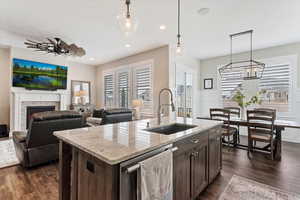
38 145
111 116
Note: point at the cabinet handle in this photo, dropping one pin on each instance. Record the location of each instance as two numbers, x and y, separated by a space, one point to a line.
195 154
195 141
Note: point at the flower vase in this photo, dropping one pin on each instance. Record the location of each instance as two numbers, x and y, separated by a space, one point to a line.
243 114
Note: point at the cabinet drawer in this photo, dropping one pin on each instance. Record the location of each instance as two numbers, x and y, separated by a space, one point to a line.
191 142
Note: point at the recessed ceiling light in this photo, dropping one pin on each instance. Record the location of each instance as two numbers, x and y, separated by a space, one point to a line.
92 59
127 45
162 27
203 11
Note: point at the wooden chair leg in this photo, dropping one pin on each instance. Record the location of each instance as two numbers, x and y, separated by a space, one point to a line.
249 145
228 138
239 134
272 150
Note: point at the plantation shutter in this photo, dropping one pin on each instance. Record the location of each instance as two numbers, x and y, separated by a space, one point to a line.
143 88
123 89
276 77
109 90
230 82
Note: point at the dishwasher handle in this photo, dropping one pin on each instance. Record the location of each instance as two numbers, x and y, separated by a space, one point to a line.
137 166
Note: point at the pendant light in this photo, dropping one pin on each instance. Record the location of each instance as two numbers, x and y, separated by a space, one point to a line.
127 22
246 69
179 44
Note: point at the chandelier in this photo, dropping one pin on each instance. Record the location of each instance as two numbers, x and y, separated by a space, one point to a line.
246 69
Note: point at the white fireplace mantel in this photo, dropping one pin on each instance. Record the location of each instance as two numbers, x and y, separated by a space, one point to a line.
20 95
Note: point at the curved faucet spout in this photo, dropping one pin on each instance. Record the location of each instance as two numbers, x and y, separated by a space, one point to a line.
159 103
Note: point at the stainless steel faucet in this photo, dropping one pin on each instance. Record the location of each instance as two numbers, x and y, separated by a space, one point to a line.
159 104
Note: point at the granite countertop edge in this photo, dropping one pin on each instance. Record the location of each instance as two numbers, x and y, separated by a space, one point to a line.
116 161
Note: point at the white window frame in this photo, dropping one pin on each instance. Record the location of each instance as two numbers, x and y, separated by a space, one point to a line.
107 73
136 66
292 61
130 68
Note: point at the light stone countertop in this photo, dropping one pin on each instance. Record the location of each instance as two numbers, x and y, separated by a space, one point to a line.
115 143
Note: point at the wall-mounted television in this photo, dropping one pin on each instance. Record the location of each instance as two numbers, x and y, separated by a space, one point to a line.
39 76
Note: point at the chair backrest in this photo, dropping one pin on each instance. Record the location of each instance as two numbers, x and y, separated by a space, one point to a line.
220 114
42 126
267 110
234 111
262 121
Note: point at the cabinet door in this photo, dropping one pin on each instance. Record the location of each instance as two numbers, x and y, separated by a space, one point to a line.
181 182
215 156
199 170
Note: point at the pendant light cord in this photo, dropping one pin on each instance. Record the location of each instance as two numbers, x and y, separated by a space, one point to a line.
128 8
178 35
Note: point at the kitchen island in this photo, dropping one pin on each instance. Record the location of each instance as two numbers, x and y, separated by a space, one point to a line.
100 162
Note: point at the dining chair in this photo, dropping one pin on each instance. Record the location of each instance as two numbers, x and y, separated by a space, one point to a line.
268 110
227 130
235 112
261 129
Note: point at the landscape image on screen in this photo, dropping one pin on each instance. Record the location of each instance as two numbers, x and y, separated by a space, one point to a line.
35 75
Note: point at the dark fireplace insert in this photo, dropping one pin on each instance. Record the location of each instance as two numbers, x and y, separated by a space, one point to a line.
36 109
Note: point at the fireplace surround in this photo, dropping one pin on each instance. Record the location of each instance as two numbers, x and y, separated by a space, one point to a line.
21 99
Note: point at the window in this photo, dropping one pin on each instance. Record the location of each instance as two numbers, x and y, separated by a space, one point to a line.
276 81
109 90
127 83
143 88
184 93
123 89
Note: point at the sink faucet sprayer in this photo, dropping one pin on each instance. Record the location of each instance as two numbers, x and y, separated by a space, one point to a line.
159 104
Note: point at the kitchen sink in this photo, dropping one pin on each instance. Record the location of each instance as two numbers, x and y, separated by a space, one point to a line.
171 128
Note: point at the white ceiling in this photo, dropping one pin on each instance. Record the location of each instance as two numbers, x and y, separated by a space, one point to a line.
92 24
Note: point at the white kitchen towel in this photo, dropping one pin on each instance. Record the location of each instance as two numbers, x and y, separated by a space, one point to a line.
156 177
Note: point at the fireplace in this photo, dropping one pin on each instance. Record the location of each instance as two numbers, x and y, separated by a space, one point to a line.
36 109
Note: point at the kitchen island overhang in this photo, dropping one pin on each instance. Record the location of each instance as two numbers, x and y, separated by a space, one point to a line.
86 152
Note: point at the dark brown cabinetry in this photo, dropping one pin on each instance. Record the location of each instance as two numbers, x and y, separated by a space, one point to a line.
199 170
194 164
197 161
215 154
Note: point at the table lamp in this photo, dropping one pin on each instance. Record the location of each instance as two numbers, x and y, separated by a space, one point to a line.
137 104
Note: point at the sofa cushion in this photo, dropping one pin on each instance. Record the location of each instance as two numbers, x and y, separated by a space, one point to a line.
54 115
98 113
117 111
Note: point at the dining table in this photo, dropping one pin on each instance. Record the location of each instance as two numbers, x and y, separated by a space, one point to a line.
279 127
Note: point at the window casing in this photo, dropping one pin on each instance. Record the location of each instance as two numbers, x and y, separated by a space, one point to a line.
129 82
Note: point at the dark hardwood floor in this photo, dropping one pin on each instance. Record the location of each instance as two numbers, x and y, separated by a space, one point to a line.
41 183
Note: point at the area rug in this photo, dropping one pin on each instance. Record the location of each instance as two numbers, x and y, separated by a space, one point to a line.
8 154
240 188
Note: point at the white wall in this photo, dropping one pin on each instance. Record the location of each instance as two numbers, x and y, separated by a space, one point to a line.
4 84
212 98
76 71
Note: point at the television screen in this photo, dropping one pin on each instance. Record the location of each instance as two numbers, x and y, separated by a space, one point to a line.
35 75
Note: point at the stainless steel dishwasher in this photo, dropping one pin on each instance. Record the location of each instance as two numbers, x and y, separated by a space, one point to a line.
129 172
